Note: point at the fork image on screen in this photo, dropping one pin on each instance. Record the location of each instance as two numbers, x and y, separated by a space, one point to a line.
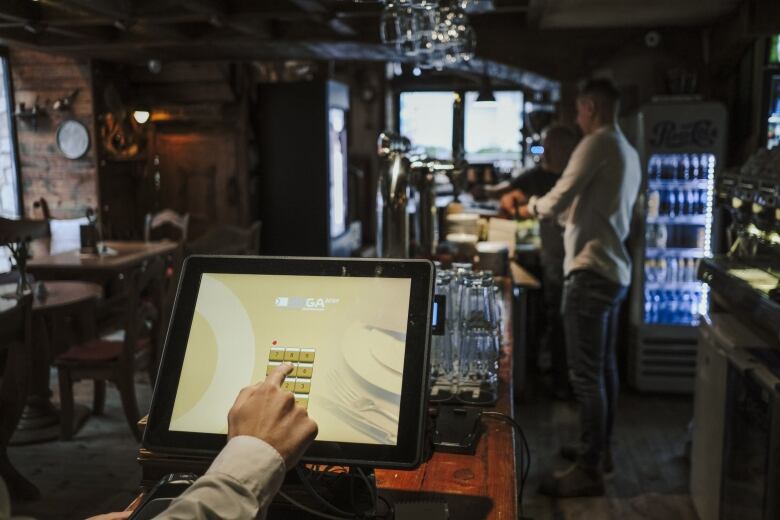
349 397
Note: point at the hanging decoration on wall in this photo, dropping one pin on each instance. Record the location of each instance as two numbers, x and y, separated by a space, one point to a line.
73 139
121 135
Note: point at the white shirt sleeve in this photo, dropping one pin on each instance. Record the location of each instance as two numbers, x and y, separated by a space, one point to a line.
583 164
239 484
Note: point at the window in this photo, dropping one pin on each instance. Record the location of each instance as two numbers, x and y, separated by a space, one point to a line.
426 119
493 129
9 178
774 49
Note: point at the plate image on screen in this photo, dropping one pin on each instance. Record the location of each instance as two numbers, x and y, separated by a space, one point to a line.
346 344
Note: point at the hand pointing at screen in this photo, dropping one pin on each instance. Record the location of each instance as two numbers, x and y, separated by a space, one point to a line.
267 412
267 435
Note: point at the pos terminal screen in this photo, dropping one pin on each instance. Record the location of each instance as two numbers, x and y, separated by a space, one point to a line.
345 337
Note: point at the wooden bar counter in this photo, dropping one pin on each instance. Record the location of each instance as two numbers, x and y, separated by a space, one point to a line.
479 486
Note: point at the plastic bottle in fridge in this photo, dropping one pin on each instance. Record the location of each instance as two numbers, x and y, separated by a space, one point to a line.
684 168
653 204
672 274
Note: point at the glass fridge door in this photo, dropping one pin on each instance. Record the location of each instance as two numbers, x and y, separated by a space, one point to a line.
678 234
773 117
337 134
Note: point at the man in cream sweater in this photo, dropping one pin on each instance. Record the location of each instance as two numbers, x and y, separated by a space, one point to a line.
598 188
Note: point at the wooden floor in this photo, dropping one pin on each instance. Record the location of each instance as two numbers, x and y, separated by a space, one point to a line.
651 477
96 472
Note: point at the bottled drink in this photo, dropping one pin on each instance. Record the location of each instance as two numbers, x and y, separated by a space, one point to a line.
661 236
663 203
653 204
672 307
695 171
672 203
685 309
654 168
701 205
706 163
660 272
656 307
693 202
673 273
648 306
650 270
684 168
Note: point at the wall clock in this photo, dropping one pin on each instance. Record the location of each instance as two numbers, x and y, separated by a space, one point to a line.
73 139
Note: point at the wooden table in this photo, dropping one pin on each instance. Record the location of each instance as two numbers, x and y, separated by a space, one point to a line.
64 299
479 486
97 268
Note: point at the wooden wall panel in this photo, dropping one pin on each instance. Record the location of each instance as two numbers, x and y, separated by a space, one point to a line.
69 186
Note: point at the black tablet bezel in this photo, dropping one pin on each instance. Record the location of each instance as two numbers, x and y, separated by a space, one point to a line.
405 454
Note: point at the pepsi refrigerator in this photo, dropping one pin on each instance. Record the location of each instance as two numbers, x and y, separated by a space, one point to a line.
681 144
772 108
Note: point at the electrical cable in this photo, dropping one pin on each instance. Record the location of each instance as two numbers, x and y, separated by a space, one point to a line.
311 510
390 508
322 500
371 490
524 447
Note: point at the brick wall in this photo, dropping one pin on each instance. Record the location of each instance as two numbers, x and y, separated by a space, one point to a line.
69 186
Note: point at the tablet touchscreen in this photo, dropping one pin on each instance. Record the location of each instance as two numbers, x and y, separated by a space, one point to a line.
345 336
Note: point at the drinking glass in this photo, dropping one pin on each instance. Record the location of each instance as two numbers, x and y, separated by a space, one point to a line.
480 339
398 26
443 378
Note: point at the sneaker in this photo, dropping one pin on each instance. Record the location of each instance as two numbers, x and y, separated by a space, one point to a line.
575 481
572 452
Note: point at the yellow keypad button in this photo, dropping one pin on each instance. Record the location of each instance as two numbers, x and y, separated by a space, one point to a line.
276 354
289 385
292 354
270 368
302 400
302 386
305 370
294 372
307 355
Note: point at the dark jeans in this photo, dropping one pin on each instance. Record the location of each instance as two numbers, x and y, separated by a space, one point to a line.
591 304
554 339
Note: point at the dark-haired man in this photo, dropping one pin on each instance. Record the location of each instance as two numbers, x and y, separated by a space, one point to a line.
598 188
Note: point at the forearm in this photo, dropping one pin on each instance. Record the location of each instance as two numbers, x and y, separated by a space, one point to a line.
240 484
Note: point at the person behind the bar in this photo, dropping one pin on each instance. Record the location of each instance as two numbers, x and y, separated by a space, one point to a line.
267 435
558 142
599 188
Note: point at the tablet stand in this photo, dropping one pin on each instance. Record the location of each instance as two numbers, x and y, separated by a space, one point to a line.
345 489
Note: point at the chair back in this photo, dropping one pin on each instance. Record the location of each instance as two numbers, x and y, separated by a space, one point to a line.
141 320
169 219
16 345
227 240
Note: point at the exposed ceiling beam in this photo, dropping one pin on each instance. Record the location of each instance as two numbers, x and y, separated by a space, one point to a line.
217 15
30 17
321 14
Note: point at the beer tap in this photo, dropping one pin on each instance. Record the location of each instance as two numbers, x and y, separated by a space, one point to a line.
392 197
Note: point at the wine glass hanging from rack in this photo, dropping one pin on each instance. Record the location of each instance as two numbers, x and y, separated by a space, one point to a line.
435 33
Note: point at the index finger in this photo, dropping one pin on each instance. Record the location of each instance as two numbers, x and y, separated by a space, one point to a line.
277 375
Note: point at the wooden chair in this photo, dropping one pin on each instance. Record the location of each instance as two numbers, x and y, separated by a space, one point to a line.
115 360
227 240
16 345
167 218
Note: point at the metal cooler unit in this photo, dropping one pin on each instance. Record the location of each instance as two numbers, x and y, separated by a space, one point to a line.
680 142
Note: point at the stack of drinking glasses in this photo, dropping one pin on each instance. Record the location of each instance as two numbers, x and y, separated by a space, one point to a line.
464 361
436 33
443 376
480 339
